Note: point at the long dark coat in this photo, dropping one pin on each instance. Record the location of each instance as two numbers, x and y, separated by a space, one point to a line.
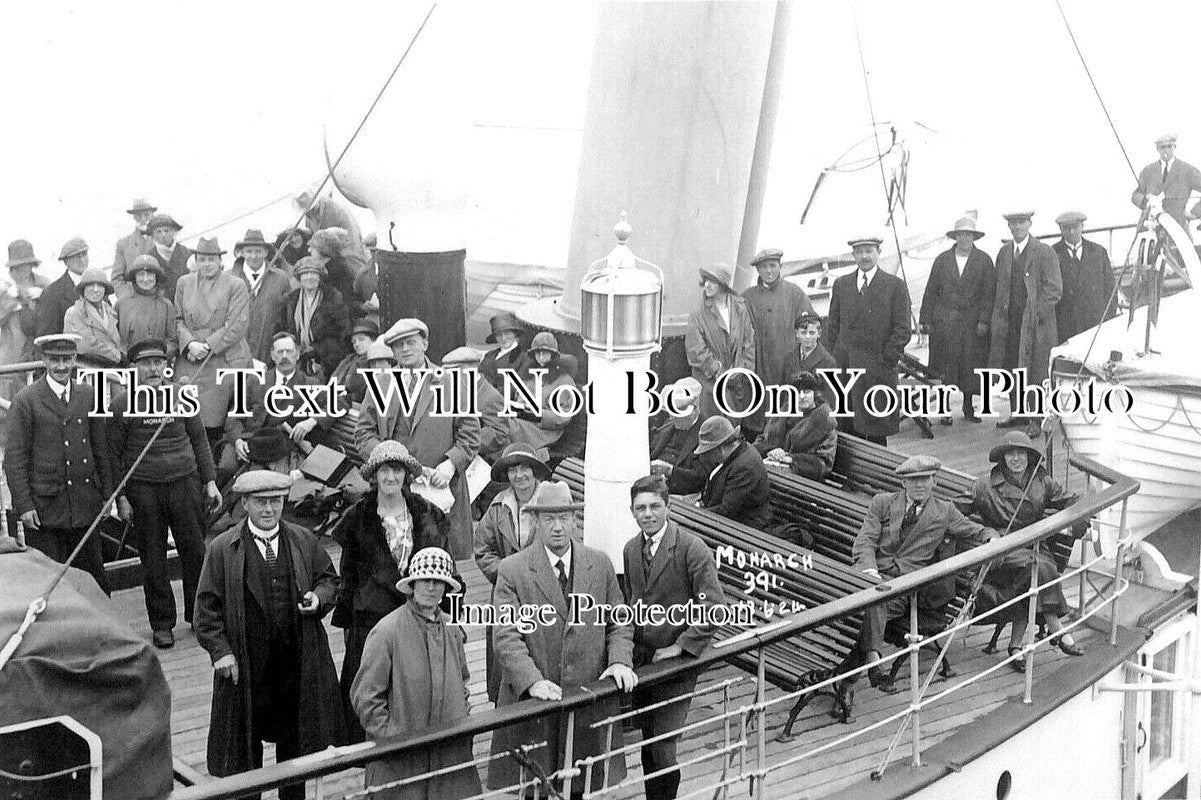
869 332
221 630
952 307
819 358
265 308
1088 296
740 489
712 348
569 655
414 676
774 311
1036 329
53 304
174 267
330 326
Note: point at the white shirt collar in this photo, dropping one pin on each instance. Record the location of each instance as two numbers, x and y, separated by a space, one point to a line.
57 387
500 351
251 273
1170 163
554 560
656 539
259 533
165 252
871 275
74 278
281 378
1018 247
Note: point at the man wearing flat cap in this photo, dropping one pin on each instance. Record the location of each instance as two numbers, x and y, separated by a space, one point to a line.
445 445
268 287
1088 285
869 326
1172 178
903 532
56 460
1024 323
957 310
542 663
775 305
265 586
171 488
132 245
62 293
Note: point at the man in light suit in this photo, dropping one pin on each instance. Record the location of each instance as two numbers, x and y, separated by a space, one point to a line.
541 663
1088 296
869 326
903 532
132 245
445 445
1024 325
666 566
268 287
1176 180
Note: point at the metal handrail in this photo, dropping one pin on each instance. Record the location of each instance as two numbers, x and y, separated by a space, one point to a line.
339 759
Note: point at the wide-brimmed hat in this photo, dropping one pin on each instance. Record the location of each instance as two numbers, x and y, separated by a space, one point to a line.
58 344
918 467
405 326
504 321
93 275
20 254
139 205
390 452
965 225
254 238
263 483
378 351
770 254
1014 440
430 564
520 453
73 247
147 348
268 445
1070 218
208 247
162 221
715 432
721 273
146 263
876 241
544 340
552 497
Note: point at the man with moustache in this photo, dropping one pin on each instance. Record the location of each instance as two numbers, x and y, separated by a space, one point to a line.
1088 284
169 488
666 566
268 287
132 245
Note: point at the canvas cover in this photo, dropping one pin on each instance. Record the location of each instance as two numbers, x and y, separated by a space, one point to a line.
81 660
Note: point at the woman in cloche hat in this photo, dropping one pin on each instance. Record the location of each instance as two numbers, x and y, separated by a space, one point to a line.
316 313
94 321
506 333
413 675
528 427
18 304
379 535
147 313
1019 489
346 373
720 336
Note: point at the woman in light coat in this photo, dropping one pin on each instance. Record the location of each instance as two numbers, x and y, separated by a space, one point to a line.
94 320
720 336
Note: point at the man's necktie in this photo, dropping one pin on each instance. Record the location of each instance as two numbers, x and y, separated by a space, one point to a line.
648 550
1165 173
65 397
910 517
563 582
254 283
268 545
863 283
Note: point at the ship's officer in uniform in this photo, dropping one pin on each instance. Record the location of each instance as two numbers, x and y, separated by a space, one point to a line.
56 460
1176 180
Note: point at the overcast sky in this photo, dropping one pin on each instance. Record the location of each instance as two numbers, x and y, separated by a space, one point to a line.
213 109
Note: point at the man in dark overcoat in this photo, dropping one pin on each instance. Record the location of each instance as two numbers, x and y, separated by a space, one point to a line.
1088 284
738 487
1023 317
869 326
264 588
268 286
62 293
810 355
957 310
903 532
539 664
172 256
673 443
666 566
56 459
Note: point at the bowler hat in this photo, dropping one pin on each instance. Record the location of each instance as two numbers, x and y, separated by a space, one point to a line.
147 348
544 340
58 344
93 275
405 326
162 221
1070 218
504 321
20 254
263 483
721 273
551 497
430 564
73 248
390 451
208 247
770 254
139 205
1014 440
520 453
918 467
875 241
268 445
715 432
965 225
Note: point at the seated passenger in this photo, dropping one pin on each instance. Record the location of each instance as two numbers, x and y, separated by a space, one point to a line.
903 532
737 486
542 427
673 443
804 443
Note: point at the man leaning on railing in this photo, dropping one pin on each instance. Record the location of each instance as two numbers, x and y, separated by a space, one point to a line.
903 532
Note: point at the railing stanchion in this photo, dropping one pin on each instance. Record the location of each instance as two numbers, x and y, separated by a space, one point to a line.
1117 578
761 714
568 754
725 725
608 760
1031 614
915 691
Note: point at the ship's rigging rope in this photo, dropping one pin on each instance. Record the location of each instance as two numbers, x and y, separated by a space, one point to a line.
39 604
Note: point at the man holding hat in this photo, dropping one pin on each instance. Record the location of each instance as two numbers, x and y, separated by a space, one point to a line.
133 245
61 295
673 444
265 586
446 445
1088 285
268 287
775 305
506 333
506 527
56 461
869 326
1170 177
957 310
737 486
903 532
1024 324
720 336
18 311
172 256
540 664
169 489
